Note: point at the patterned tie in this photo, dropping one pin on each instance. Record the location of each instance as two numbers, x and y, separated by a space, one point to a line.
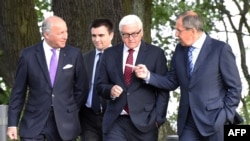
95 98
190 60
128 72
53 66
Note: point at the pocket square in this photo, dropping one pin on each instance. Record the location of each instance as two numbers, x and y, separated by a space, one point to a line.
67 66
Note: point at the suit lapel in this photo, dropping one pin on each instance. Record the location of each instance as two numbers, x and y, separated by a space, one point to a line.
40 55
141 54
139 60
119 63
118 60
62 57
205 50
90 63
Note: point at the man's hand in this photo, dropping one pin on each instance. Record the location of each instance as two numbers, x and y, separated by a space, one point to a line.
116 91
12 133
141 71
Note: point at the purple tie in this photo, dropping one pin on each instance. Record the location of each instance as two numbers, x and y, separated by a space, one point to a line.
53 66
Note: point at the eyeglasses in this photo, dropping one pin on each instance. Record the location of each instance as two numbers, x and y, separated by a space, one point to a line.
127 35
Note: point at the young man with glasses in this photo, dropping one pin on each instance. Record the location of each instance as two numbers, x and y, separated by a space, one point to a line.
135 110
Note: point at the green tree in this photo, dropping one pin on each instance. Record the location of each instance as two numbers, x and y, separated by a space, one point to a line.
18 29
219 18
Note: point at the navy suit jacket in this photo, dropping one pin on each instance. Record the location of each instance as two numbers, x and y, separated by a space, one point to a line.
89 60
212 93
66 96
147 104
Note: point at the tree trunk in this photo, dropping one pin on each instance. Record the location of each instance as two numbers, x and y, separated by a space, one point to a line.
79 14
18 29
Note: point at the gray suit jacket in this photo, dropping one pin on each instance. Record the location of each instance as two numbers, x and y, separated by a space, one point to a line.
66 96
214 90
147 104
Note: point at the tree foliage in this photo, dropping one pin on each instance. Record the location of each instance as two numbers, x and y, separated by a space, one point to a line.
41 7
220 20
18 29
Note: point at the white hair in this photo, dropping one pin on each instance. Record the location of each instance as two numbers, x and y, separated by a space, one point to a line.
130 19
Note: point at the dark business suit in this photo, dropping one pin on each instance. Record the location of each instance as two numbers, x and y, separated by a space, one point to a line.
91 121
146 103
65 96
213 92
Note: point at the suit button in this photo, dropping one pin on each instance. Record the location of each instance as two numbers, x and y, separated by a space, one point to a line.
53 95
128 93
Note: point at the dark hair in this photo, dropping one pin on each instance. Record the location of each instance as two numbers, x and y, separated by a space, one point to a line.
102 22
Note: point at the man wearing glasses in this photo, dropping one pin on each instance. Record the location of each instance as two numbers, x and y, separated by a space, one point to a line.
135 110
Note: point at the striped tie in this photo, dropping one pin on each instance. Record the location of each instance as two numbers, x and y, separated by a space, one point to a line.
190 61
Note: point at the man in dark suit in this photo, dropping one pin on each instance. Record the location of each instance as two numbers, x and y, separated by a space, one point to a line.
51 106
135 110
92 111
210 84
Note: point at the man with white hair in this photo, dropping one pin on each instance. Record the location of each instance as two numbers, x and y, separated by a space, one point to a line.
135 110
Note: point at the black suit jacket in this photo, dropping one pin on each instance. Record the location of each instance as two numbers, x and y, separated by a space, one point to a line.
66 96
147 104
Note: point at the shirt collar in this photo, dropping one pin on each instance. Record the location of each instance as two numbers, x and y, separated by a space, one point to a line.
47 47
98 51
136 49
200 41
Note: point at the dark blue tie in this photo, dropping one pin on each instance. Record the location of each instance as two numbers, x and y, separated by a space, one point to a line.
190 60
96 103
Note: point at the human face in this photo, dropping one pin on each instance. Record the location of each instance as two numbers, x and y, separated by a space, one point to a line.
185 35
101 37
131 35
58 34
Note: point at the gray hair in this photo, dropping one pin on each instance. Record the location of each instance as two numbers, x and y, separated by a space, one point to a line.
191 19
48 23
46 26
130 19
